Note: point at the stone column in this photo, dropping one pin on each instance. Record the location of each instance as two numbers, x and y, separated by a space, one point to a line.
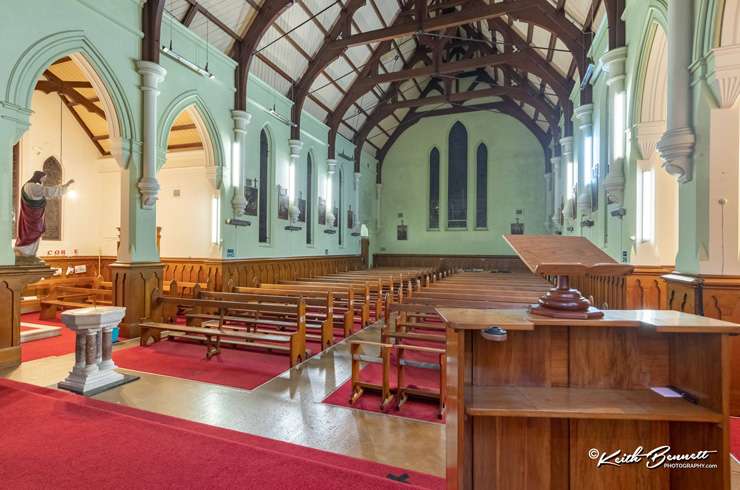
584 115
566 145
239 160
14 121
676 147
548 201
556 192
93 370
614 63
152 75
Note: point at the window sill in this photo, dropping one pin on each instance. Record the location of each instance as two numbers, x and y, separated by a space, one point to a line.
433 229
457 229
481 229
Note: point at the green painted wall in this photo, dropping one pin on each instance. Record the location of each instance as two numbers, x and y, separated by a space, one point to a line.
515 181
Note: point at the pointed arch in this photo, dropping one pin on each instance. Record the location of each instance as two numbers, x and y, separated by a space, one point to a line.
433 213
311 186
206 126
457 177
73 43
481 186
266 169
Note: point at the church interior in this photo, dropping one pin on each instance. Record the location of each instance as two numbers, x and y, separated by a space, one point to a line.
318 244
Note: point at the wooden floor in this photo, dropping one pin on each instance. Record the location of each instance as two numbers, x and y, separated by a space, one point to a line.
287 408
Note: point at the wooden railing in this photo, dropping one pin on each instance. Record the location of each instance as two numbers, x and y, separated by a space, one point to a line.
644 288
510 263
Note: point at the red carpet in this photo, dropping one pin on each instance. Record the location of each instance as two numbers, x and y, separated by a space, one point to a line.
414 408
52 346
56 439
735 437
240 368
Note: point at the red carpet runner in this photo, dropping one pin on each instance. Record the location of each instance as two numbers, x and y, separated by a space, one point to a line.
414 408
238 368
735 437
52 346
55 439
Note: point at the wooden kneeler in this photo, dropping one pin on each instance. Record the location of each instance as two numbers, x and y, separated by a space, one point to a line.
359 386
403 391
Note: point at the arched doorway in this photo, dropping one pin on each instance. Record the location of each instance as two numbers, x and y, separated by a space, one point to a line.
73 133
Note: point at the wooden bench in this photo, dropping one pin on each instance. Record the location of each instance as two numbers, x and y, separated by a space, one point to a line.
323 322
213 334
251 314
63 297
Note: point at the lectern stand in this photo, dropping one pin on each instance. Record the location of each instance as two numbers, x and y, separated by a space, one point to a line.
539 410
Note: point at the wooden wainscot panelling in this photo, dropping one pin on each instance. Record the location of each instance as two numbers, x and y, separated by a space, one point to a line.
510 263
133 285
204 271
13 279
253 272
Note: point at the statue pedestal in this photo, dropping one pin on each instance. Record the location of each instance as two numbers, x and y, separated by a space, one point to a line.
13 279
93 371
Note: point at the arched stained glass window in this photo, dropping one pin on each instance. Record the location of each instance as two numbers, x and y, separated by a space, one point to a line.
434 189
457 178
53 214
481 187
264 188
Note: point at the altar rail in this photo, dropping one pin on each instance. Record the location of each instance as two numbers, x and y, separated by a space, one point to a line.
510 263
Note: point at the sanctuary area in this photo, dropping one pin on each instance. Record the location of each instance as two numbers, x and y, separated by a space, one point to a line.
368 244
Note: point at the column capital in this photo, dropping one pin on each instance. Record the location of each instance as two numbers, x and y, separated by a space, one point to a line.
295 148
614 62
555 162
149 189
152 74
566 144
584 115
241 121
331 166
676 148
725 78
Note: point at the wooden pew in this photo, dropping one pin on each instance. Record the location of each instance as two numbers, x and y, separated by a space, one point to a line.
323 321
366 292
62 297
164 307
327 299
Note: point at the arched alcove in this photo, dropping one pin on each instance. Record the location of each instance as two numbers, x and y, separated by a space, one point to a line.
656 192
189 182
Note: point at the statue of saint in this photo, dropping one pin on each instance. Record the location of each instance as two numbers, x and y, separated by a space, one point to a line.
31 224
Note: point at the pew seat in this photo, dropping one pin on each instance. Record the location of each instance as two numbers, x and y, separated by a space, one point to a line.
213 334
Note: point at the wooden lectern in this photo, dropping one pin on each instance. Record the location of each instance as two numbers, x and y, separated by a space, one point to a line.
564 257
539 410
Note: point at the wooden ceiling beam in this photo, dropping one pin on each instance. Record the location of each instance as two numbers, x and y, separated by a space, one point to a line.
438 23
85 129
55 84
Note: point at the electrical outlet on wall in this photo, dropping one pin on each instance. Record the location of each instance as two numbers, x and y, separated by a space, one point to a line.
176 193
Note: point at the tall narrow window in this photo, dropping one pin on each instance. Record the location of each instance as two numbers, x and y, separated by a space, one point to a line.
645 205
309 200
264 198
619 125
53 215
570 180
481 187
341 207
434 189
457 178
